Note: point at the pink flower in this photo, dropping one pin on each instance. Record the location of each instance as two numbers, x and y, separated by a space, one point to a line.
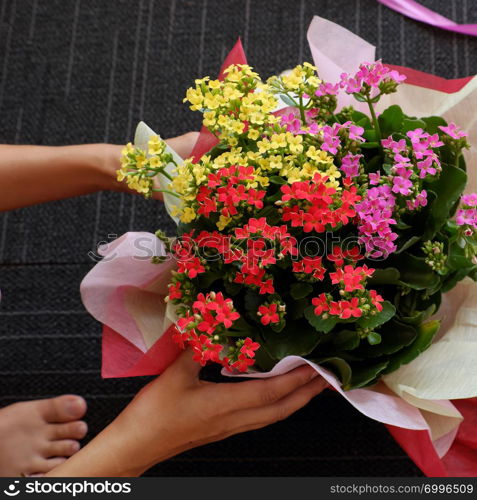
394 146
374 178
453 131
350 165
371 74
469 199
326 88
401 185
426 167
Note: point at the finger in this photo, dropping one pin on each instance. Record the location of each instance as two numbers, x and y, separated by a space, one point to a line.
184 369
184 144
255 418
256 393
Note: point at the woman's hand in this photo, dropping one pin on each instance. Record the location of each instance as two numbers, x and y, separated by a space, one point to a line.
111 154
177 412
64 171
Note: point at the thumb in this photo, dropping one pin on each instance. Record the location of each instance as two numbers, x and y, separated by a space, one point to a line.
185 368
184 144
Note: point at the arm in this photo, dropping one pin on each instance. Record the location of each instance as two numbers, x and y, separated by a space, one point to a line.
36 174
177 412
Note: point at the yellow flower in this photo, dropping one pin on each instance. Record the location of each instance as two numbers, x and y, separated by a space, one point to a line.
211 101
195 97
263 145
215 84
199 173
188 215
294 142
253 134
155 145
223 222
278 141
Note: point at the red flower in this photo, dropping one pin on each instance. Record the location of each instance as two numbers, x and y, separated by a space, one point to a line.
268 314
191 267
249 347
175 291
351 277
376 300
266 287
321 303
243 363
310 265
350 308
338 256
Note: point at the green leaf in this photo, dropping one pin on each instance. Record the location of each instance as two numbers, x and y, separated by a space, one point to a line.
419 316
425 334
386 276
359 97
320 324
390 120
415 273
338 366
300 290
287 100
412 124
370 135
297 338
206 279
407 243
374 338
276 179
448 189
232 289
252 301
263 360
346 340
433 123
394 336
296 308
361 119
365 375
369 145
378 319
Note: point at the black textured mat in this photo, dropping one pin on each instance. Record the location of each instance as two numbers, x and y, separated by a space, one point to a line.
76 71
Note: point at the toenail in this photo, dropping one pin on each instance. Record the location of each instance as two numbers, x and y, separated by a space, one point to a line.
75 446
82 427
74 407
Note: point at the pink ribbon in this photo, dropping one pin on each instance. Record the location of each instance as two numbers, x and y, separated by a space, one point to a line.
416 11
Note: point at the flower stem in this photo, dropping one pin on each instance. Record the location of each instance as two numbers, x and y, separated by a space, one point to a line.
166 191
302 111
377 129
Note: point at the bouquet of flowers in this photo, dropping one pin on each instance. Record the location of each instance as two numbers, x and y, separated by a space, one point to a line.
315 225
313 232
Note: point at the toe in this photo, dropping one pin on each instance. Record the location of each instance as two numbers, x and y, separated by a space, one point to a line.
62 448
71 430
44 465
63 408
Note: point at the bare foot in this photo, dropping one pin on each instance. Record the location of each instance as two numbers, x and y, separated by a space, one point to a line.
37 436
